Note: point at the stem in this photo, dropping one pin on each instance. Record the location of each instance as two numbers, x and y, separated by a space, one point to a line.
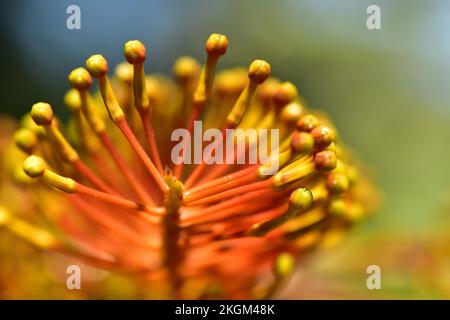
173 256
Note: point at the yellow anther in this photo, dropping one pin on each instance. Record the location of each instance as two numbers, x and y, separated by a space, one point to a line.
35 167
230 83
323 136
98 68
259 70
286 93
307 123
134 52
284 265
124 72
267 91
72 100
338 207
216 45
337 183
325 160
302 142
186 69
26 140
301 199
291 113
42 114
352 174
80 79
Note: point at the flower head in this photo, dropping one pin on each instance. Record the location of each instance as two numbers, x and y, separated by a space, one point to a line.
202 230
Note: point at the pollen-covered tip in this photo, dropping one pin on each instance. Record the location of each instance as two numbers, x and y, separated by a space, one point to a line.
42 113
34 166
285 94
134 51
97 65
267 91
323 136
291 113
80 79
337 183
307 123
284 264
72 100
338 207
302 142
301 199
216 45
124 72
325 160
25 139
186 69
259 71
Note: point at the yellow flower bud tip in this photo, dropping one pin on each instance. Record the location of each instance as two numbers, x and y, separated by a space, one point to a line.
34 166
124 72
352 175
42 113
230 83
72 100
291 113
97 66
285 94
186 69
338 207
302 142
134 52
80 79
216 45
337 183
284 264
259 71
26 140
325 160
5 216
300 200
267 91
323 136
307 123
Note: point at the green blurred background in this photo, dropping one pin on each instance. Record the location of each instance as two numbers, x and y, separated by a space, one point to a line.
386 90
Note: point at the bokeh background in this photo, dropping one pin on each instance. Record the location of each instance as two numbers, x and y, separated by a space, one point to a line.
387 91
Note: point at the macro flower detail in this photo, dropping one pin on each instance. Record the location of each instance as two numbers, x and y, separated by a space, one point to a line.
109 193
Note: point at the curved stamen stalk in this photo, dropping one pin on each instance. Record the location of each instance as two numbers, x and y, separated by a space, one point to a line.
98 67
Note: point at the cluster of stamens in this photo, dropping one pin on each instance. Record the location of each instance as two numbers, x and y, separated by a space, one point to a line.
194 230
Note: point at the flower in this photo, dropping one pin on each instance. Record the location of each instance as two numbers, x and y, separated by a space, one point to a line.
188 231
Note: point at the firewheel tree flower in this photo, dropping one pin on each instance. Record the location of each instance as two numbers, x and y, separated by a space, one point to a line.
112 196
